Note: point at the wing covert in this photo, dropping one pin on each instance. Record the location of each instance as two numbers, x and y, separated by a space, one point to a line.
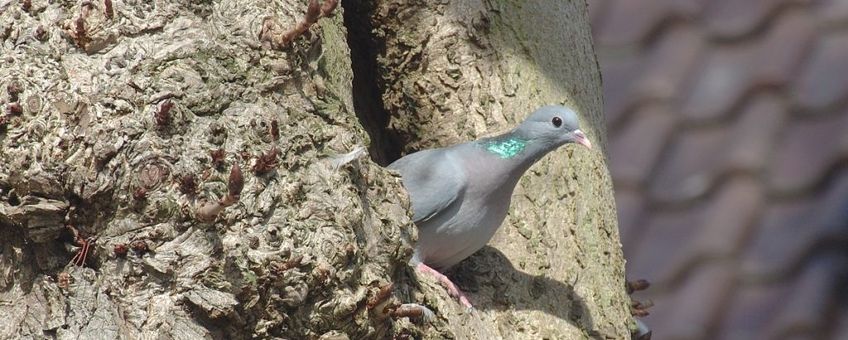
434 181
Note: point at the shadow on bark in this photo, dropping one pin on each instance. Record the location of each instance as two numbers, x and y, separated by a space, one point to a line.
431 74
489 277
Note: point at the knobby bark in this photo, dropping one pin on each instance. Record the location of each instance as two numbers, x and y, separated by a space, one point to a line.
456 70
115 115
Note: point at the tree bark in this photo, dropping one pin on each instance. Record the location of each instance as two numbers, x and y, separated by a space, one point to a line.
451 71
115 112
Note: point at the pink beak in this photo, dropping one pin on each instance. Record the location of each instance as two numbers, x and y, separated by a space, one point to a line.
580 138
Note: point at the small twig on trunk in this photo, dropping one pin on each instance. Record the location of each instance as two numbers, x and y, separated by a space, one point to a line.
314 11
210 210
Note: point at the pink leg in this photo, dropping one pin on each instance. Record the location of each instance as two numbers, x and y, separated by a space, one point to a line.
453 291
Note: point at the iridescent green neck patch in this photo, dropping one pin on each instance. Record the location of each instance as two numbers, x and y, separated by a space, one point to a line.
506 148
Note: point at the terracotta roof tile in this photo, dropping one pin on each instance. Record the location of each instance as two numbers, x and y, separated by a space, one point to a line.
635 149
791 230
596 11
802 336
831 10
756 133
806 151
787 42
724 77
771 250
706 292
664 234
699 156
690 165
655 74
734 18
730 71
628 22
619 75
728 221
714 229
751 308
668 62
630 206
823 80
808 305
840 329
753 176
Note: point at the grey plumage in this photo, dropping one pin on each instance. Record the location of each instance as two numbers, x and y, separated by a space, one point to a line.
461 194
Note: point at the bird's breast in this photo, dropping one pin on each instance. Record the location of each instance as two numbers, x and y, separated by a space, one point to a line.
478 215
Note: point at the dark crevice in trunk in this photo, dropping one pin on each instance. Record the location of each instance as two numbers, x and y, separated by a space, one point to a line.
367 99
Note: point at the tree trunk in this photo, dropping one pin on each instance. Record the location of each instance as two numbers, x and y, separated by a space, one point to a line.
124 120
449 71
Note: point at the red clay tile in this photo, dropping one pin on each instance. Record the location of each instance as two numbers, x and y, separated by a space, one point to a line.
791 230
730 71
734 18
743 172
630 206
831 11
755 133
781 52
809 146
635 149
629 81
710 230
780 238
628 22
806 308
664 234
802 336
690 165
823 80
751 308
722 78
690 311
669 61
619 75
687 9
840 329
832 213
701 155
596 12
729 219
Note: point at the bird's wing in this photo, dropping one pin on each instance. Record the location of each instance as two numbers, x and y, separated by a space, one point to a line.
434 180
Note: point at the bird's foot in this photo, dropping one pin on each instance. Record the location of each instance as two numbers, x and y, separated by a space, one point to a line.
635 286
639 309
452 289
412 310
642 331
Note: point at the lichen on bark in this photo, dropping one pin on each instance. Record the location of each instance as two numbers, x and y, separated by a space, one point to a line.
458 70
297 256
114 120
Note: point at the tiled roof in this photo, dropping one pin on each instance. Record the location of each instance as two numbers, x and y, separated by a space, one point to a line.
728 129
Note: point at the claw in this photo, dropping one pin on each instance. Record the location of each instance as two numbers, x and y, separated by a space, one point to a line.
635 286
84 247
413 310
381 296
453 291
642 331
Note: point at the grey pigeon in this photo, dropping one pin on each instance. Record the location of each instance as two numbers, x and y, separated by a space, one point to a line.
461 194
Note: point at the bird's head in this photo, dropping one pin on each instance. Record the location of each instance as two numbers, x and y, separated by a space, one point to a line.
553 125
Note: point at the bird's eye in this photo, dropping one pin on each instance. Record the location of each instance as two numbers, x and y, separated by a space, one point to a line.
556 121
